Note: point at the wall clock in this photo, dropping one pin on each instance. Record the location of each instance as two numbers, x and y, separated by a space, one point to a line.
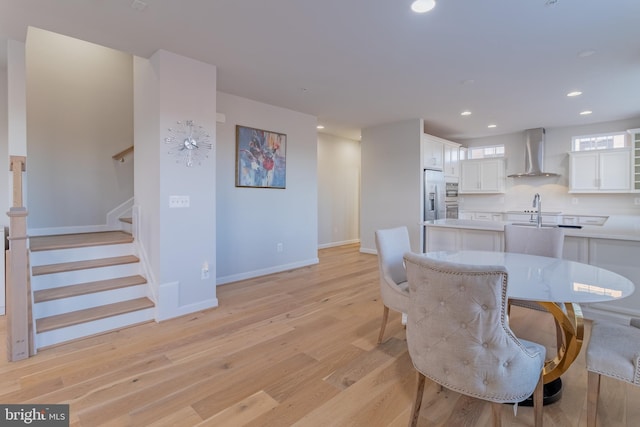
189 143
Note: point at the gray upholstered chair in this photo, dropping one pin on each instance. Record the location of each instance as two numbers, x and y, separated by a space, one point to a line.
391 244
544 241
459 337
613 351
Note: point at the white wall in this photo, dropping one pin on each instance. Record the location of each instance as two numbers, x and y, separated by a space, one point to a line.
175 88
252 221
4 177
391 181
79 114
554 190
16 125
338 190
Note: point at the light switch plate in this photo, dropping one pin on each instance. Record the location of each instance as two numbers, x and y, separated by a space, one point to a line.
179 201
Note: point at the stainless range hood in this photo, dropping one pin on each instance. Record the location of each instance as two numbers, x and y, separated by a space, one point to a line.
534 154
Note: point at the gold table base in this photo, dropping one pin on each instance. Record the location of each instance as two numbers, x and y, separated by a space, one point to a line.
572 324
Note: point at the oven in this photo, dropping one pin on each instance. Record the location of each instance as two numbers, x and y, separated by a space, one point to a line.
451 200
451 210
451 193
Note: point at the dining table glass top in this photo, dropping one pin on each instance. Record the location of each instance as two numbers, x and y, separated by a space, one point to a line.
539 278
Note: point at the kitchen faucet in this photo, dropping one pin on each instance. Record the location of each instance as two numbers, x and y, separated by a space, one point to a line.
538 205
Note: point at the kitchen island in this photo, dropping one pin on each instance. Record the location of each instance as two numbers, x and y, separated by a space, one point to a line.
615 245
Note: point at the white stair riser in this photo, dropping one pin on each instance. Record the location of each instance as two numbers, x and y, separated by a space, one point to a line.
92 328
79 254
49 281
80 302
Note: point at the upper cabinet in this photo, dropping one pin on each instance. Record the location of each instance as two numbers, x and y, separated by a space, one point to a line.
596 171
441 154
451 165
432 152
482 176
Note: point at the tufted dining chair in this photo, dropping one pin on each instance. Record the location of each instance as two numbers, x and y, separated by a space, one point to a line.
391 244
458 335
545 241
613 351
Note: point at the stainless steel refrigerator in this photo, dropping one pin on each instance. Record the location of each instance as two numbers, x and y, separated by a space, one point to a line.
434 195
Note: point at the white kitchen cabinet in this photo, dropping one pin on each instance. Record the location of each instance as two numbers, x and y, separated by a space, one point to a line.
600 171
480 240
635 150
452 239
441 239
487 216
576 249
620 256
482 176
451 164
432 152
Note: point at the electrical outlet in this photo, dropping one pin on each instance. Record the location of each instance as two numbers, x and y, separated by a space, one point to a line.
279 247
179 201
204 274
636 201
574 201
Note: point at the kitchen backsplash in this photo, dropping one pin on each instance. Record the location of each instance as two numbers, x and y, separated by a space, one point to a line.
555 198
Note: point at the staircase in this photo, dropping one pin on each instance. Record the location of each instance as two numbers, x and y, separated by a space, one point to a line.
86 284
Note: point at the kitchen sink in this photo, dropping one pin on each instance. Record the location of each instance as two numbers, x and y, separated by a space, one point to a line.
529 224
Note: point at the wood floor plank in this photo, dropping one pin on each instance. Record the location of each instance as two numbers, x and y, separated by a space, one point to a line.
242 412
293 348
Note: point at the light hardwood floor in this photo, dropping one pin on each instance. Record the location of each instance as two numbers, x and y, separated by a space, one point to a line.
295 348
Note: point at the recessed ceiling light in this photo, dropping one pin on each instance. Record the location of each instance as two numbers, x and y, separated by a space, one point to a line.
466 113
492 126
586 112
422 6
586 53
319 127
574 93
138 5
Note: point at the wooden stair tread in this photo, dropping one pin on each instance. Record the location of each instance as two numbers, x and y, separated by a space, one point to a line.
78 240
82 265
128 220
90 314
87 288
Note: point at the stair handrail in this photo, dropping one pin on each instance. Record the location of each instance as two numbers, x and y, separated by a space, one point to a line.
20 334
121 155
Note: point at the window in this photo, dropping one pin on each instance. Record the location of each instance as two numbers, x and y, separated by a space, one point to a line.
485 152
599 142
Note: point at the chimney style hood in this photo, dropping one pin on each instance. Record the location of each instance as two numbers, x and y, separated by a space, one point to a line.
534 154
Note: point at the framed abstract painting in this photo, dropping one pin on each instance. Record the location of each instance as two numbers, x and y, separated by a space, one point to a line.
261 160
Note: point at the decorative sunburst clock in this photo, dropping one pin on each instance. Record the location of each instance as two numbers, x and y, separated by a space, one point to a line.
189 143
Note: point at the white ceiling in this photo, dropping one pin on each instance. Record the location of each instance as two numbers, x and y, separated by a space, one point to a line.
358 63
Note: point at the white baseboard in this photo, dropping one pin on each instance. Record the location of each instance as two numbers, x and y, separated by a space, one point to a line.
168 300
334 244
263 272
368 251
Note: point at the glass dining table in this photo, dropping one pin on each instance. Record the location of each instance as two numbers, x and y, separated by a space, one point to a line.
559 285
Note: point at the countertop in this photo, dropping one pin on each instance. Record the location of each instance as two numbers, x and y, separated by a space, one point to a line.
619 227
